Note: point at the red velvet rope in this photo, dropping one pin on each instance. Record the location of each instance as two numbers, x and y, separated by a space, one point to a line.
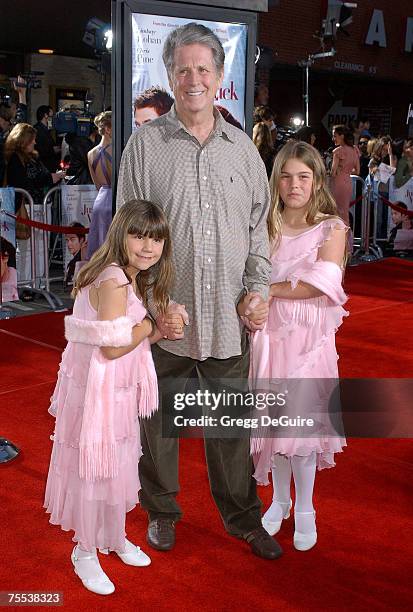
404 211
355 201
58 229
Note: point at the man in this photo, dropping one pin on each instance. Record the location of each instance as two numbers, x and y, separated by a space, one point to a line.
151 104
210 180
364 156
77 247
45 145
401 221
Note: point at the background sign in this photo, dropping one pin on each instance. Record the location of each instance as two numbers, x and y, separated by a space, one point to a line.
77 204
8 274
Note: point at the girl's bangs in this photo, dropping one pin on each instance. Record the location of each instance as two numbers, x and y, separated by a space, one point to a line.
153 228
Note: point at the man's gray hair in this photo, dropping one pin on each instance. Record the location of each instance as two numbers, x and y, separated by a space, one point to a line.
191 34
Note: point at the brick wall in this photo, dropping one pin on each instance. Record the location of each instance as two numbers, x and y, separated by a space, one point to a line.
288 28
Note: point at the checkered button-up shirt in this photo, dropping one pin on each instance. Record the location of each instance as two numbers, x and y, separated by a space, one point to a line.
216 198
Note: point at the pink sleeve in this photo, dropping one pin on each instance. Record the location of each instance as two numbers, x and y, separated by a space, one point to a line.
113 272
325 276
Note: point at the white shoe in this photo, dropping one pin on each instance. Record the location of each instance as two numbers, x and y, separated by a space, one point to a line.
304 541
94 579
133 555
273 527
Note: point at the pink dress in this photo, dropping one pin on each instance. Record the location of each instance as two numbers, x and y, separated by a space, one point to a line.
95 509
298 342
341 184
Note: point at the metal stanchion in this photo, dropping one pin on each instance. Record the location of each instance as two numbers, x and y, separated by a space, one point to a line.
48 219
366 252
356 239
31 282
374 246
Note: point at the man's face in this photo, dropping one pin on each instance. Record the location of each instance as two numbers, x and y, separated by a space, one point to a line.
73 244
262 95
363 145
144 115
195 80
396 216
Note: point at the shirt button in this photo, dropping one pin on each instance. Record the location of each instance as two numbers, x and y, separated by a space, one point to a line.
206 205
208 286
205 178
209 260
208 232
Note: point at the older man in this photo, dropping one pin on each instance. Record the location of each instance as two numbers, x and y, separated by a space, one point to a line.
210 180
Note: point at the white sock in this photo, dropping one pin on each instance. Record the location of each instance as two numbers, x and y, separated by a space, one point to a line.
304 469
281 482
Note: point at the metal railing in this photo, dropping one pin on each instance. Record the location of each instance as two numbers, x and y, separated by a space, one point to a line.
367 248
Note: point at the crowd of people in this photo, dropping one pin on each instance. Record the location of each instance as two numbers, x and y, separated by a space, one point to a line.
355 152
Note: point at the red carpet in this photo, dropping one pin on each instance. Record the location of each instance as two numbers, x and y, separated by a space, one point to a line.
363 558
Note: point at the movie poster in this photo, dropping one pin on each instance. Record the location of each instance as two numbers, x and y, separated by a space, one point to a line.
148 36
77 204
400 226
8 273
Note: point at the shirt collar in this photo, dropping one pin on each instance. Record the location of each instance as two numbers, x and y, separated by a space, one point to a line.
222 128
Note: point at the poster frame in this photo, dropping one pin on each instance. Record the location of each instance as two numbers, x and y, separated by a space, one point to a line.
122 58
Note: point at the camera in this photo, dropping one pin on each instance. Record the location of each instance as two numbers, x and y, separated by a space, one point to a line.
72 121
5 98
32 80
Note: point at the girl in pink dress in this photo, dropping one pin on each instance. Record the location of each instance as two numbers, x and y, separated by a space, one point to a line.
105 382
346 161
296 348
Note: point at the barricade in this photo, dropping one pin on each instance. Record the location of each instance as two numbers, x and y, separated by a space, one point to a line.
367 248
36 283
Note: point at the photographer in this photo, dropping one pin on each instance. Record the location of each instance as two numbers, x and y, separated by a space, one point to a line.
10 114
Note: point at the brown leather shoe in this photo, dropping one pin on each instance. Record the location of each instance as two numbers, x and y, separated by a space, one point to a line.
161 534
263 545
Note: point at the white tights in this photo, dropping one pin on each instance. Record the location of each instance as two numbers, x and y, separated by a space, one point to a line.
303 470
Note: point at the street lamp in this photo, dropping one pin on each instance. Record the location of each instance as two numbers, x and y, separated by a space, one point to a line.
305 65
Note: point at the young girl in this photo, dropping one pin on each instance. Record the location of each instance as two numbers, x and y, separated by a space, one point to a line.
308 246
106 379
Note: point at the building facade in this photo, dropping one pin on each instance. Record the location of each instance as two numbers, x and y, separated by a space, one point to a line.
371 73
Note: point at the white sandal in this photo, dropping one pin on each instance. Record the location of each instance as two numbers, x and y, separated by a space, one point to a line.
305 541
97 581
273 527
133 555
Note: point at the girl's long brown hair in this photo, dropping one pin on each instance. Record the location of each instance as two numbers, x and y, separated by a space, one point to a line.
18 139
321 200
136 217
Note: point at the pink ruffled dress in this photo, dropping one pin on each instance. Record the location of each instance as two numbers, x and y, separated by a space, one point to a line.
298 342
95 507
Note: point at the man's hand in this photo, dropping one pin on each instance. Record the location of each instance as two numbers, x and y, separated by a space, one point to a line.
253 310
172 323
